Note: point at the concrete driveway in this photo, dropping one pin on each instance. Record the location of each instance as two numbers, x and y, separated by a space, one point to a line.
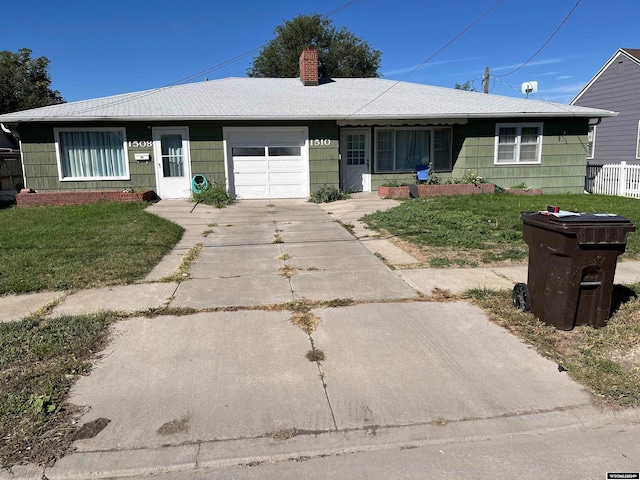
261 253
232 384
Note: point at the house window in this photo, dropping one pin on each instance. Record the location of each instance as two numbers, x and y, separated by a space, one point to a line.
591 141
402 149
92 154
518 143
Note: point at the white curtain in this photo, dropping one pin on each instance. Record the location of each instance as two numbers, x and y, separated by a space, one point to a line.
507 144
172 159
92 154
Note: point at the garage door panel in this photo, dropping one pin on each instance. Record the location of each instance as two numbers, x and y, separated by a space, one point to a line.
284 191
253 191
288 165
260 178
250 137
285 138
247 165
282 172
284 178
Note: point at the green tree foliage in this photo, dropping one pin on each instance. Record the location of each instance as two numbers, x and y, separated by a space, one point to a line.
25 82
340 53
466 86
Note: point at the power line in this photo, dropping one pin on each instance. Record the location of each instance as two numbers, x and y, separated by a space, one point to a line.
556 104
208 70
339 9
545 43
431 57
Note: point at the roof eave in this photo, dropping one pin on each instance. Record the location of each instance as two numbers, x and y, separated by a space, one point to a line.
17 120
620 51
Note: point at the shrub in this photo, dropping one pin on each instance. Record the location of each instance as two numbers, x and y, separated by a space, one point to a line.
328 193
391 183
469 178
215 195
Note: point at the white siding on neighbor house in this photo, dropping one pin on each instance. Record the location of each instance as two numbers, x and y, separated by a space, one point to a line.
616 88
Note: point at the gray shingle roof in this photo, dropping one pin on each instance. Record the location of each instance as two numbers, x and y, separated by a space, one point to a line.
288 99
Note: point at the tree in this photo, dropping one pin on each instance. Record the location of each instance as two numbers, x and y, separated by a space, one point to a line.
340 53
466 86
25 82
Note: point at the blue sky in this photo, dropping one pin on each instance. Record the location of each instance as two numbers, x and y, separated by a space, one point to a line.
106 47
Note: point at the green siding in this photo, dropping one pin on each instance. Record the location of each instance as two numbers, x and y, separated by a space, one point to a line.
207 151
41 167
324 160
563 162
562 169
206 148
378 179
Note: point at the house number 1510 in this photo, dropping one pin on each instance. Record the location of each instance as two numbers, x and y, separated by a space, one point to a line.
321 142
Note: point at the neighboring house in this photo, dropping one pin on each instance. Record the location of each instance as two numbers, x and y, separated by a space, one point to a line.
277 138
10 165
616 87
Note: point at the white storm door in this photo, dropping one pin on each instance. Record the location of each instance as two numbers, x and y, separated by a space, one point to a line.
356 148
173 162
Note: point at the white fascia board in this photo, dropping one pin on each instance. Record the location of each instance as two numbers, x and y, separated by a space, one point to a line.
455 118
593 114
613 58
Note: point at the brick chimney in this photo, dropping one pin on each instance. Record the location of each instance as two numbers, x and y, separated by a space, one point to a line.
309 67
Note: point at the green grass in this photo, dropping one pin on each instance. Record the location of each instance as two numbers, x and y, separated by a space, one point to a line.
69 247
487 227
40 358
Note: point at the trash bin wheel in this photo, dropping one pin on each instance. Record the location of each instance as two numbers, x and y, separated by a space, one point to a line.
520 297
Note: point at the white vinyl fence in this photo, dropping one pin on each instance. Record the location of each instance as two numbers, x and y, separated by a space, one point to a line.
620 179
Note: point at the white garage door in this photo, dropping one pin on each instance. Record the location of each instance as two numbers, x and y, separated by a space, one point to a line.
268 163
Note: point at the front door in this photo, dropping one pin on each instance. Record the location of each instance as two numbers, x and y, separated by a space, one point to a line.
356 147
173 164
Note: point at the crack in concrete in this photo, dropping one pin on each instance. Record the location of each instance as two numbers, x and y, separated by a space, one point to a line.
369 428
321 374
282 252
197 459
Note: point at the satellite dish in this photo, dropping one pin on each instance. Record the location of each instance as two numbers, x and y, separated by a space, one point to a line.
529 87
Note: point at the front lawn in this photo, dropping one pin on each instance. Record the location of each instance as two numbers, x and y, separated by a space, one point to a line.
40 359
486 230
69 247
482 230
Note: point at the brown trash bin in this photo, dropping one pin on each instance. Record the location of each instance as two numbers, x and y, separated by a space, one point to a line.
572 263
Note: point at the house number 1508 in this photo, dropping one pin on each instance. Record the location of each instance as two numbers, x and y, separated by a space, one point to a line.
141 143
321 142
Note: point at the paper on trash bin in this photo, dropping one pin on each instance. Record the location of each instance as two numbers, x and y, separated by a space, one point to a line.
561 213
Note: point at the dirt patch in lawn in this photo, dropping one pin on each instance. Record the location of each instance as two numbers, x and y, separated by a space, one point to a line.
448 257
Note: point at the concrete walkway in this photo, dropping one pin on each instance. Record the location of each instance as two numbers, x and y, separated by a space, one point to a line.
231 385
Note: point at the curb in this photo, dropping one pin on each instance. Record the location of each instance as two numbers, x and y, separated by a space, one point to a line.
253 451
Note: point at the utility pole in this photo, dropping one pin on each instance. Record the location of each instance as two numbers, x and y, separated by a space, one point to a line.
485 80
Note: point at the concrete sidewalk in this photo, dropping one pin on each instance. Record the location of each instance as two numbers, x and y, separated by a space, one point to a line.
234 387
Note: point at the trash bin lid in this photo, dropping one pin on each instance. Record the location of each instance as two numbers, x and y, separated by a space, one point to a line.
589 228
